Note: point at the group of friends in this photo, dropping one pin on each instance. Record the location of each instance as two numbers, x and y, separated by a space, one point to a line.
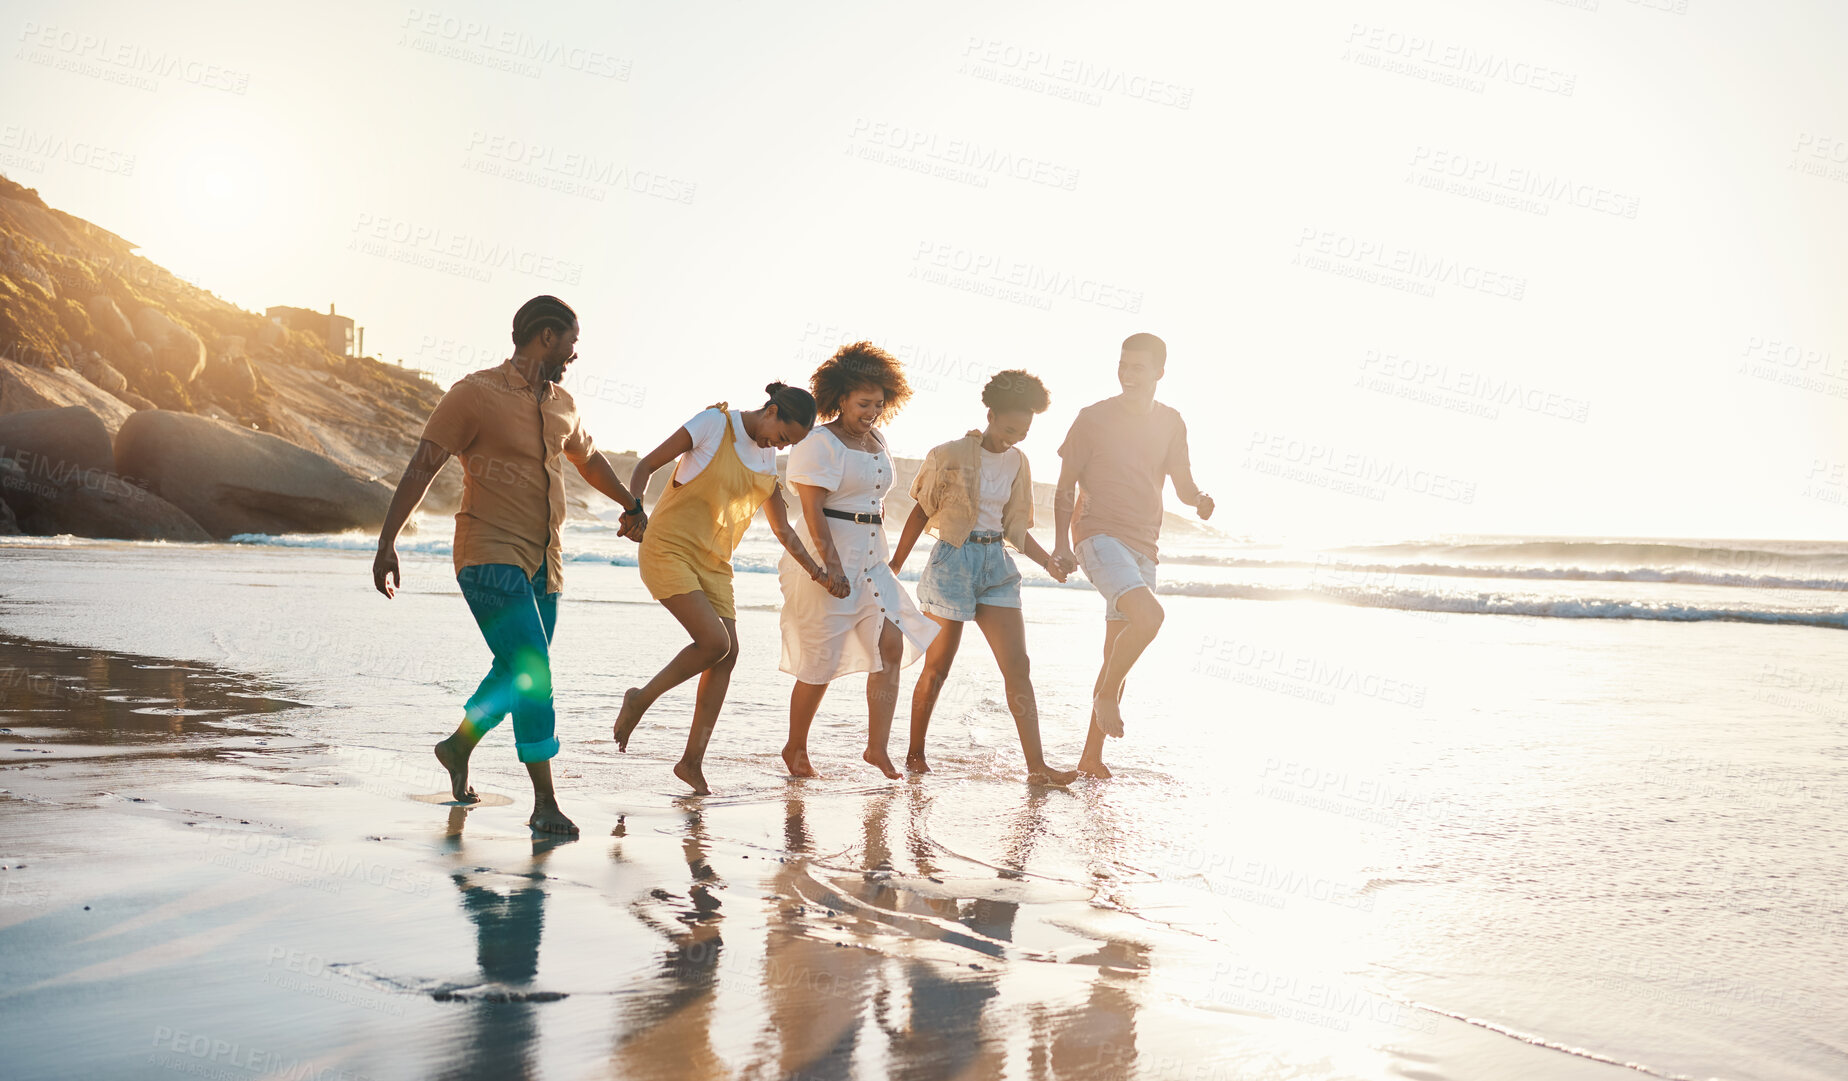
844 609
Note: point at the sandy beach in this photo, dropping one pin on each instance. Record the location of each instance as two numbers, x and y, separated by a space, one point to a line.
240 863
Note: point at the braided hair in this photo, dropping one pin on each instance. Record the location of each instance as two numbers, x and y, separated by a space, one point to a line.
541 313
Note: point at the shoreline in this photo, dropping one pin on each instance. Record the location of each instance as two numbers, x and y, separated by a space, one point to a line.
308 900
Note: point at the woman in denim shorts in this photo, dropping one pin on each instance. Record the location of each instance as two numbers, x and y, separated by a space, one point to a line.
975 495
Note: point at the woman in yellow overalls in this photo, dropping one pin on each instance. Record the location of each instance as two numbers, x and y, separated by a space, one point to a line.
727 470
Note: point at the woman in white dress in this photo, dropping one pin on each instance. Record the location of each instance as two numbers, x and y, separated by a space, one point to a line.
855 617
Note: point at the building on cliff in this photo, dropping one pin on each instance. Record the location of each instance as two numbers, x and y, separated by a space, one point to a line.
336 330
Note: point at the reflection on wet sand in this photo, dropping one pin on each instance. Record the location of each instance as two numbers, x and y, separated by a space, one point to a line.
503 1027
58 698
666 1031
815 986
864 976
882 951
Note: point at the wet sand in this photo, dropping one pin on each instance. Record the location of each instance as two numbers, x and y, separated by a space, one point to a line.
188 889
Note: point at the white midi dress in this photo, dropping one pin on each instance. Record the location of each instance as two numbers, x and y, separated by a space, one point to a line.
824 636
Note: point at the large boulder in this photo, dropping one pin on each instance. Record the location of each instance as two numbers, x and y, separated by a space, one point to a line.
106 317
92 504
102 374
57 442
231 377
176 349
23 388
233 481
55 476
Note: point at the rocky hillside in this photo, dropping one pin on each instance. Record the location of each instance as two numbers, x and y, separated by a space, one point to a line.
85 322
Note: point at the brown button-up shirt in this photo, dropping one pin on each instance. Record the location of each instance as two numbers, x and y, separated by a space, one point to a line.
513 484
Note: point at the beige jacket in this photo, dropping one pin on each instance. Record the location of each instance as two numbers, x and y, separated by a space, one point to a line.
949 484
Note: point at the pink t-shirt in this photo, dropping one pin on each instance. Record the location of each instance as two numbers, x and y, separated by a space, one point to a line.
1124 458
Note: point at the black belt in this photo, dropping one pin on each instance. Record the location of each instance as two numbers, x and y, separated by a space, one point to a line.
846 516
994 538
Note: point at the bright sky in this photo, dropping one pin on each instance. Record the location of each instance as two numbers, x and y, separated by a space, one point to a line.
1521 266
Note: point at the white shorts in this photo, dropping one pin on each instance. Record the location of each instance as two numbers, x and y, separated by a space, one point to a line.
1114 568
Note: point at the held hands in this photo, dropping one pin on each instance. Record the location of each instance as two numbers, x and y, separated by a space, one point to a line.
1062 563
632 526
832 578
384 566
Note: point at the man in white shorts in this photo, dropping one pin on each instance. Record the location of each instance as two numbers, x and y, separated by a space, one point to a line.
1118 457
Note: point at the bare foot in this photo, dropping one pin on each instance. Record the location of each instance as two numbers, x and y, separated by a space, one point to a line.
627 718
692 776
456 762
547 818
914 761
797 761
1059 777
883 761
1095 769
1106 715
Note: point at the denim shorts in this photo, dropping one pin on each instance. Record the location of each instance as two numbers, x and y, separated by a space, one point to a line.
957 579
1114 568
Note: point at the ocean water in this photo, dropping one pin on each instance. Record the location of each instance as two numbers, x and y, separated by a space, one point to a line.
1459 808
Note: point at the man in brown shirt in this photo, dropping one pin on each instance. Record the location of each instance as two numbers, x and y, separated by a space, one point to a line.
1118 456
509 425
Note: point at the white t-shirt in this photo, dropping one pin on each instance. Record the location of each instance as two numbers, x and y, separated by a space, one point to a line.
708 431
998 472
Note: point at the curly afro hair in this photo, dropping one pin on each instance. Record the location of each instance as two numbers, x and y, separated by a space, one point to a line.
861 364
1016 390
